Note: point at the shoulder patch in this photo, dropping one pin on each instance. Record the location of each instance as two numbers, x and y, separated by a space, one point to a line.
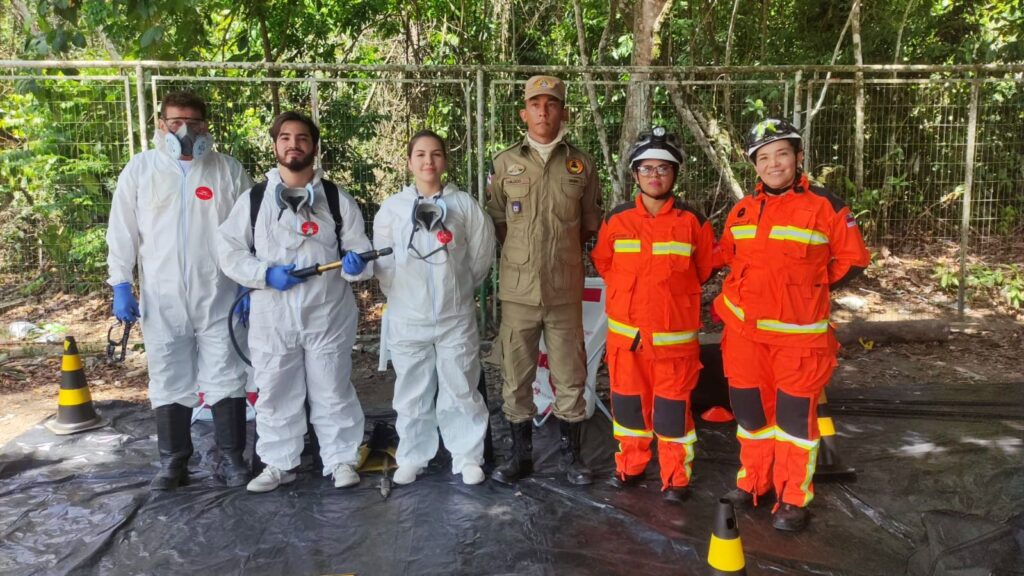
625 206
836 202
681 205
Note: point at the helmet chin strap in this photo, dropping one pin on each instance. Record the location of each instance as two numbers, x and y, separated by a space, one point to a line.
667 194
776 191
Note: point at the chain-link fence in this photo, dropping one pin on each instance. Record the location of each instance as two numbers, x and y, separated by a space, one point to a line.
941 149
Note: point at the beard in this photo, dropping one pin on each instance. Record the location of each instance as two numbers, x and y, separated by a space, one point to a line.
296 163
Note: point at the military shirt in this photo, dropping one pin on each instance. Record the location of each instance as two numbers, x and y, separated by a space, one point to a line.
545 207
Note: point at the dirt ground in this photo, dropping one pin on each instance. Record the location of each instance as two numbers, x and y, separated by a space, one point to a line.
985 345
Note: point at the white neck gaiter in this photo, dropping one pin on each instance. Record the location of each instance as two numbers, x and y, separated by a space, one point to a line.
544 150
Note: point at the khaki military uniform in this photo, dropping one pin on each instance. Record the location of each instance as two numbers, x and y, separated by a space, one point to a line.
546 207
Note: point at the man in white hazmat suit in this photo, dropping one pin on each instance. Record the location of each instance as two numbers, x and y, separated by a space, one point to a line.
443 248
164 216
300 333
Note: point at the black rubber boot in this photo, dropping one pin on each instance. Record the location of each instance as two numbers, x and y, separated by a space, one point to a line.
576 472
229 430
676 494
619 482
520 462
790 518
174 440
740 498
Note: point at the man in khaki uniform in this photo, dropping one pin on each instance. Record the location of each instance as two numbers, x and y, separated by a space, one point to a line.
543 196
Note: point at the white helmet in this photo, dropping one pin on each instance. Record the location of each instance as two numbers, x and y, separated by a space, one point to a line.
655 145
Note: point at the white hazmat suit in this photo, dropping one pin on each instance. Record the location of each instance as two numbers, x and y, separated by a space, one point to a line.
164 217
432 332
300 339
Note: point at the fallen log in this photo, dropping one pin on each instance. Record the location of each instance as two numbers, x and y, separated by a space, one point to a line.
892 331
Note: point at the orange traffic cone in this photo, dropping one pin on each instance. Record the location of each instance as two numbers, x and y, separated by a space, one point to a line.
725 553
829 467
75 412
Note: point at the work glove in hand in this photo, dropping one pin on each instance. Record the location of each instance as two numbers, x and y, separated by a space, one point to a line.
242 308
126 307
280 277
352 264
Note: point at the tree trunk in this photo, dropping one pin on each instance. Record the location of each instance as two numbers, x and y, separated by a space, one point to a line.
648 15
715 143
858 154
893 331
268 56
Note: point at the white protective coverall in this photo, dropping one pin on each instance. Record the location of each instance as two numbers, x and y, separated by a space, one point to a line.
432 332
165 218
300 339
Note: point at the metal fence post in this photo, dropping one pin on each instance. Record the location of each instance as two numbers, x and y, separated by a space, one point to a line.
481 177
965 222
140 96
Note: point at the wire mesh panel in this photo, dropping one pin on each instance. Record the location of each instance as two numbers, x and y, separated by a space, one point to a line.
62 142
997 215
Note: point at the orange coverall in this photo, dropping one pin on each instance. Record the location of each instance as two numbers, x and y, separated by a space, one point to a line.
653 267
785 252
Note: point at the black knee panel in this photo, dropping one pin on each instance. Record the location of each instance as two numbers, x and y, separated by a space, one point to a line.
628 411
792 414
747 408
669 417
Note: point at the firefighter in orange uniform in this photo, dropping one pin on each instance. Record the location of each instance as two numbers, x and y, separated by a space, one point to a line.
654 253
787 246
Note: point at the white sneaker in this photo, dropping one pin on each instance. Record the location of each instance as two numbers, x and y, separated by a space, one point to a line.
406 474
345 476
472 474
270 479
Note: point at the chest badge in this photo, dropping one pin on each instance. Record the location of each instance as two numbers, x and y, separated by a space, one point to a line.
309 228
741 212
517 207
574 166
515 170
204 193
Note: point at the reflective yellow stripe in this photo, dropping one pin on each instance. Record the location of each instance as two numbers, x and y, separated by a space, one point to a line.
825 426
764 434
735 309
622 329
688 439
782 436
620 430
672 249
776 326
799 235
805 486
726 555
746 232
672 338
628 245
71 363
73 397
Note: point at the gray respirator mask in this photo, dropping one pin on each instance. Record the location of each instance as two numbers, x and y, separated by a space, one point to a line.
185 142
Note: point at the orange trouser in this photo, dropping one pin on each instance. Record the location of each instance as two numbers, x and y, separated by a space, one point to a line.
774 395
652 397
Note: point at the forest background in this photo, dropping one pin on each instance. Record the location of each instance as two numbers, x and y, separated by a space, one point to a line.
911 146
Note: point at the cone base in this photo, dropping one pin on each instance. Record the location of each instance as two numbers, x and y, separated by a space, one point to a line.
62 429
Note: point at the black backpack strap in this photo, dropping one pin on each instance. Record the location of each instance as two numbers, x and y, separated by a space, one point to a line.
255 201
334 203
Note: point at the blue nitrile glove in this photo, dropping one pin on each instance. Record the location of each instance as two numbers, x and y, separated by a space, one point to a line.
126 307
279 277
352 264
242 308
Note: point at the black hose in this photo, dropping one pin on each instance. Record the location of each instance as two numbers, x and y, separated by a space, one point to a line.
231 326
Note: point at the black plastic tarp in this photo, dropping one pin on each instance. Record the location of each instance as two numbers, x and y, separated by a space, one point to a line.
933 475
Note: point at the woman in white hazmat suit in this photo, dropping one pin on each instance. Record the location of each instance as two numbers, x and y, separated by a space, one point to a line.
300 332
444 246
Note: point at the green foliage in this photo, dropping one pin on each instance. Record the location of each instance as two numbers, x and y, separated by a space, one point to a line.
1004 282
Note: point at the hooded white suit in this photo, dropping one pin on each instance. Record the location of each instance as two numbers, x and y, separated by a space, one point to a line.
432 332
301 339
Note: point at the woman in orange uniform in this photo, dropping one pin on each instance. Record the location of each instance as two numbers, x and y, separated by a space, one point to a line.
787 246
654 253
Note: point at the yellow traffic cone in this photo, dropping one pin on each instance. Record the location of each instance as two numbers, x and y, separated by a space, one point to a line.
829 467
725 554
75 412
